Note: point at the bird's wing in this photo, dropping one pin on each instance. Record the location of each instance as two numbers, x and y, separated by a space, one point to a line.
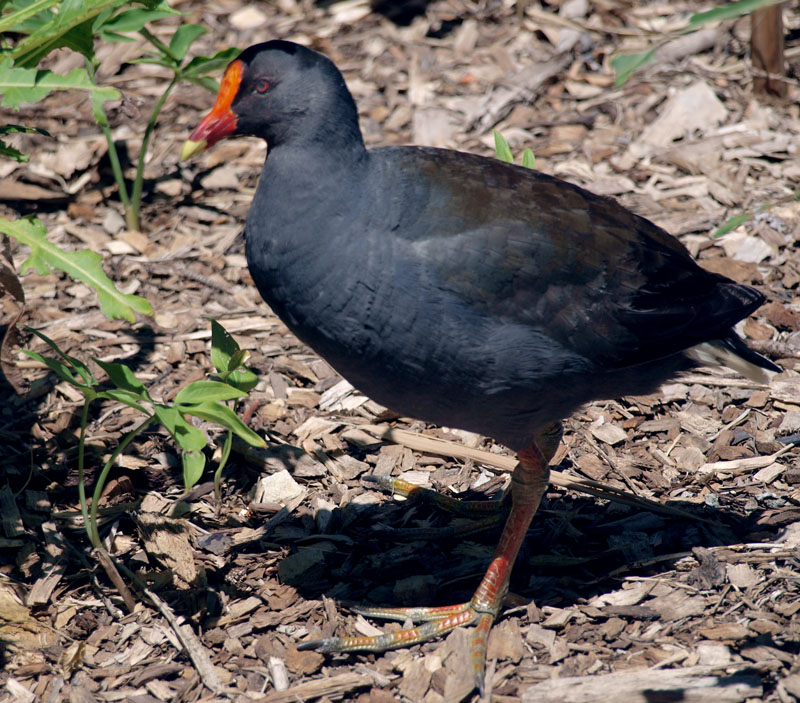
530 249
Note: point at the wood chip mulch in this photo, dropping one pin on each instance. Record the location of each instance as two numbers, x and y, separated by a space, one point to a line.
665 561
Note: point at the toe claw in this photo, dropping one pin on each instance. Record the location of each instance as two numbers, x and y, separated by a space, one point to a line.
320 646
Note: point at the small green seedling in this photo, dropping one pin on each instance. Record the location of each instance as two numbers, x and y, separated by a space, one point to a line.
503 151
203 399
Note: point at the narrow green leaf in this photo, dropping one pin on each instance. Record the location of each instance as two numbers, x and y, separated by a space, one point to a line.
728 11
224 416
732 224
194 463
206 392
184 433
223 347
122 377
129 399
183 38
203 65
59 368
82 265
625 65
74 363
21 128
29 85
501 148
134 19
528 159
9 152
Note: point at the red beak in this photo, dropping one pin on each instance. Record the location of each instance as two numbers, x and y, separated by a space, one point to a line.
221 121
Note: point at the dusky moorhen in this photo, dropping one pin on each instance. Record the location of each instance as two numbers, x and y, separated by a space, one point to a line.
460 290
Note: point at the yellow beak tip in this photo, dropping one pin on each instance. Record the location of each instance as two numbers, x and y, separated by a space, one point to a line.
191 148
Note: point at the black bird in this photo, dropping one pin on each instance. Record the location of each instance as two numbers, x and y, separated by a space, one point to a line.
461 290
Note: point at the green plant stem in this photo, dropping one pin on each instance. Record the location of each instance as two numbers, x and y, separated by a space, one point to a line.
226 452
94 535
133 207
81 476
102 119
158 44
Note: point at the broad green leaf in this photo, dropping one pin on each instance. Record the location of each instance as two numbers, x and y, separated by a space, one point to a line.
732 224
194 463
82 266
130 399
243 379
206 392
224 416
626 64
183 38
122 377
728 11
223 347
185 434
528 159
71 26
29 85
501 148
22 12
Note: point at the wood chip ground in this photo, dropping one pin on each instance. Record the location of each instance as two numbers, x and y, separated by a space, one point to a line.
665 561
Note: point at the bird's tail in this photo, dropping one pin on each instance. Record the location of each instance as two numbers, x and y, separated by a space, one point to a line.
732 352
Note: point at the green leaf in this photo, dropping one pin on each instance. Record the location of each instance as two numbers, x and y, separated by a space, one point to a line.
20 128
224 416
183 38
82 266
72 26
626 64
207 392
501 148
9 152
59 368
243 379
122 377
24 11
223 347
194 463
528 159
75 364
732 224
183 432
133 20
28 85
728 11
201 66
130 399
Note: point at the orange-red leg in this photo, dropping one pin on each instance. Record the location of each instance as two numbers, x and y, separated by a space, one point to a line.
528 484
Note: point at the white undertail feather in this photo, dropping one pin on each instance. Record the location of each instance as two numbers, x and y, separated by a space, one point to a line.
716 354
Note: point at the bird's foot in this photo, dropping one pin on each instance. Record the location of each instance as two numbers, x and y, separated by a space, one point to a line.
467 508
489 512
437 621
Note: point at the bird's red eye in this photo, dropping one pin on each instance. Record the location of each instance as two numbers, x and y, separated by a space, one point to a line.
262 85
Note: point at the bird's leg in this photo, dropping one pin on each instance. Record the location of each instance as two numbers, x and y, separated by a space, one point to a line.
528 484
